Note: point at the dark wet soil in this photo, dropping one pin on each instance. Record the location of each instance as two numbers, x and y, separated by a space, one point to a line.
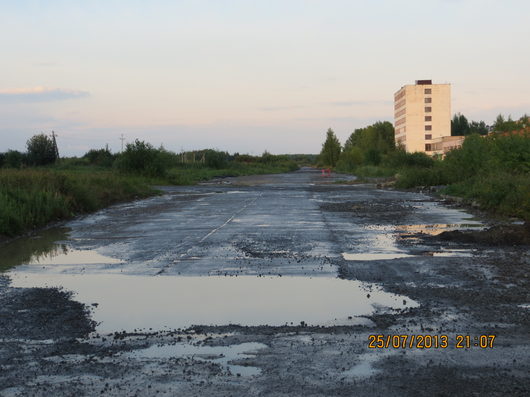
509 235
46 347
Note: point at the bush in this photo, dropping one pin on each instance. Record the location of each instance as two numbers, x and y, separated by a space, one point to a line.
100 157
216 159
372 157
142 158
14 159
41 150
400 158
416 176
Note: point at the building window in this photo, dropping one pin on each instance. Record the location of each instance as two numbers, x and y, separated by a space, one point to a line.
428 91
428 128
428 137
428 109
428 100
428 118
428 147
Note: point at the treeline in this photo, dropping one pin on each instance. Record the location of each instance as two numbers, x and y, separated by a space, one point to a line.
492 170
139 158
460 126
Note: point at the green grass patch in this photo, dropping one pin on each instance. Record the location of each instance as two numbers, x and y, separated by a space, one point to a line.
31 198
501 193
192 175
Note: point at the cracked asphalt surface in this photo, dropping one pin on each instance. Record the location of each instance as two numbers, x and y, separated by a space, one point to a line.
297 224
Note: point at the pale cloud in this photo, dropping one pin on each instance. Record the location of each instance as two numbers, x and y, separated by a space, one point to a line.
39 94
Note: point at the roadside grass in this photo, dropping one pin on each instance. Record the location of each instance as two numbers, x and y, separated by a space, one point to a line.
501 193
31 198
191 175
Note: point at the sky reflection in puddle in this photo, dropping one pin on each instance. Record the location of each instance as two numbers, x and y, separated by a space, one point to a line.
221 355
170 302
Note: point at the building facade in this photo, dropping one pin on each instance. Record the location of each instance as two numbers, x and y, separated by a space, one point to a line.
422 116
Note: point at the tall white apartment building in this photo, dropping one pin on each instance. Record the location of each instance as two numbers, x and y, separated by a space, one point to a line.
422 116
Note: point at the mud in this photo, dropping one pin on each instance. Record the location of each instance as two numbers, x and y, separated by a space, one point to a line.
496 235
298 224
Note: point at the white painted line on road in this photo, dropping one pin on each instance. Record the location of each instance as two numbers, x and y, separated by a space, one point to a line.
231 218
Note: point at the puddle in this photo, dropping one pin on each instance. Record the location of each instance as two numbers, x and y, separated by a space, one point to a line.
68 256
126 302
435 229
365 368
381 241
397 255
463 253
221 355
373 257
29 249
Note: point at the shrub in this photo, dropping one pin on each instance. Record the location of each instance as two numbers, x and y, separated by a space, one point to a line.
41 150
216 159
100 157
14 159
142 158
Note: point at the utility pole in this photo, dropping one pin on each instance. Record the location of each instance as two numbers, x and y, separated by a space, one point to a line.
122 138
55 148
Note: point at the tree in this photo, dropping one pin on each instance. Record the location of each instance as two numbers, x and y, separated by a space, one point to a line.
505 125
329 155
42 150
459 125
478 127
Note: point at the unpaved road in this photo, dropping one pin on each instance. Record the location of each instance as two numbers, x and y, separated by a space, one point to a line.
138 270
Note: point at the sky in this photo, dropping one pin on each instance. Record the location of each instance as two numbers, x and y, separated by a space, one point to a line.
247 75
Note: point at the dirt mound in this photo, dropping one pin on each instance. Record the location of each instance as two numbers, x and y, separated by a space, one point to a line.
366 208
496 235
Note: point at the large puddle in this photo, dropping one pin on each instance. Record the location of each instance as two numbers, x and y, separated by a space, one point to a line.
126 302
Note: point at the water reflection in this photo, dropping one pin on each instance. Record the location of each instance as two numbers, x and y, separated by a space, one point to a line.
29 249
221 355
143 302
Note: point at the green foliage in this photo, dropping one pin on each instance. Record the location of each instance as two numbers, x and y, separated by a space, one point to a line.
400 158
505 125
372 171
378 137
350 159
192 175
368 146
216 159
14 159
100 157
41 150
417 176
478 127
329 155
31 198
141 158
500 192
459 125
